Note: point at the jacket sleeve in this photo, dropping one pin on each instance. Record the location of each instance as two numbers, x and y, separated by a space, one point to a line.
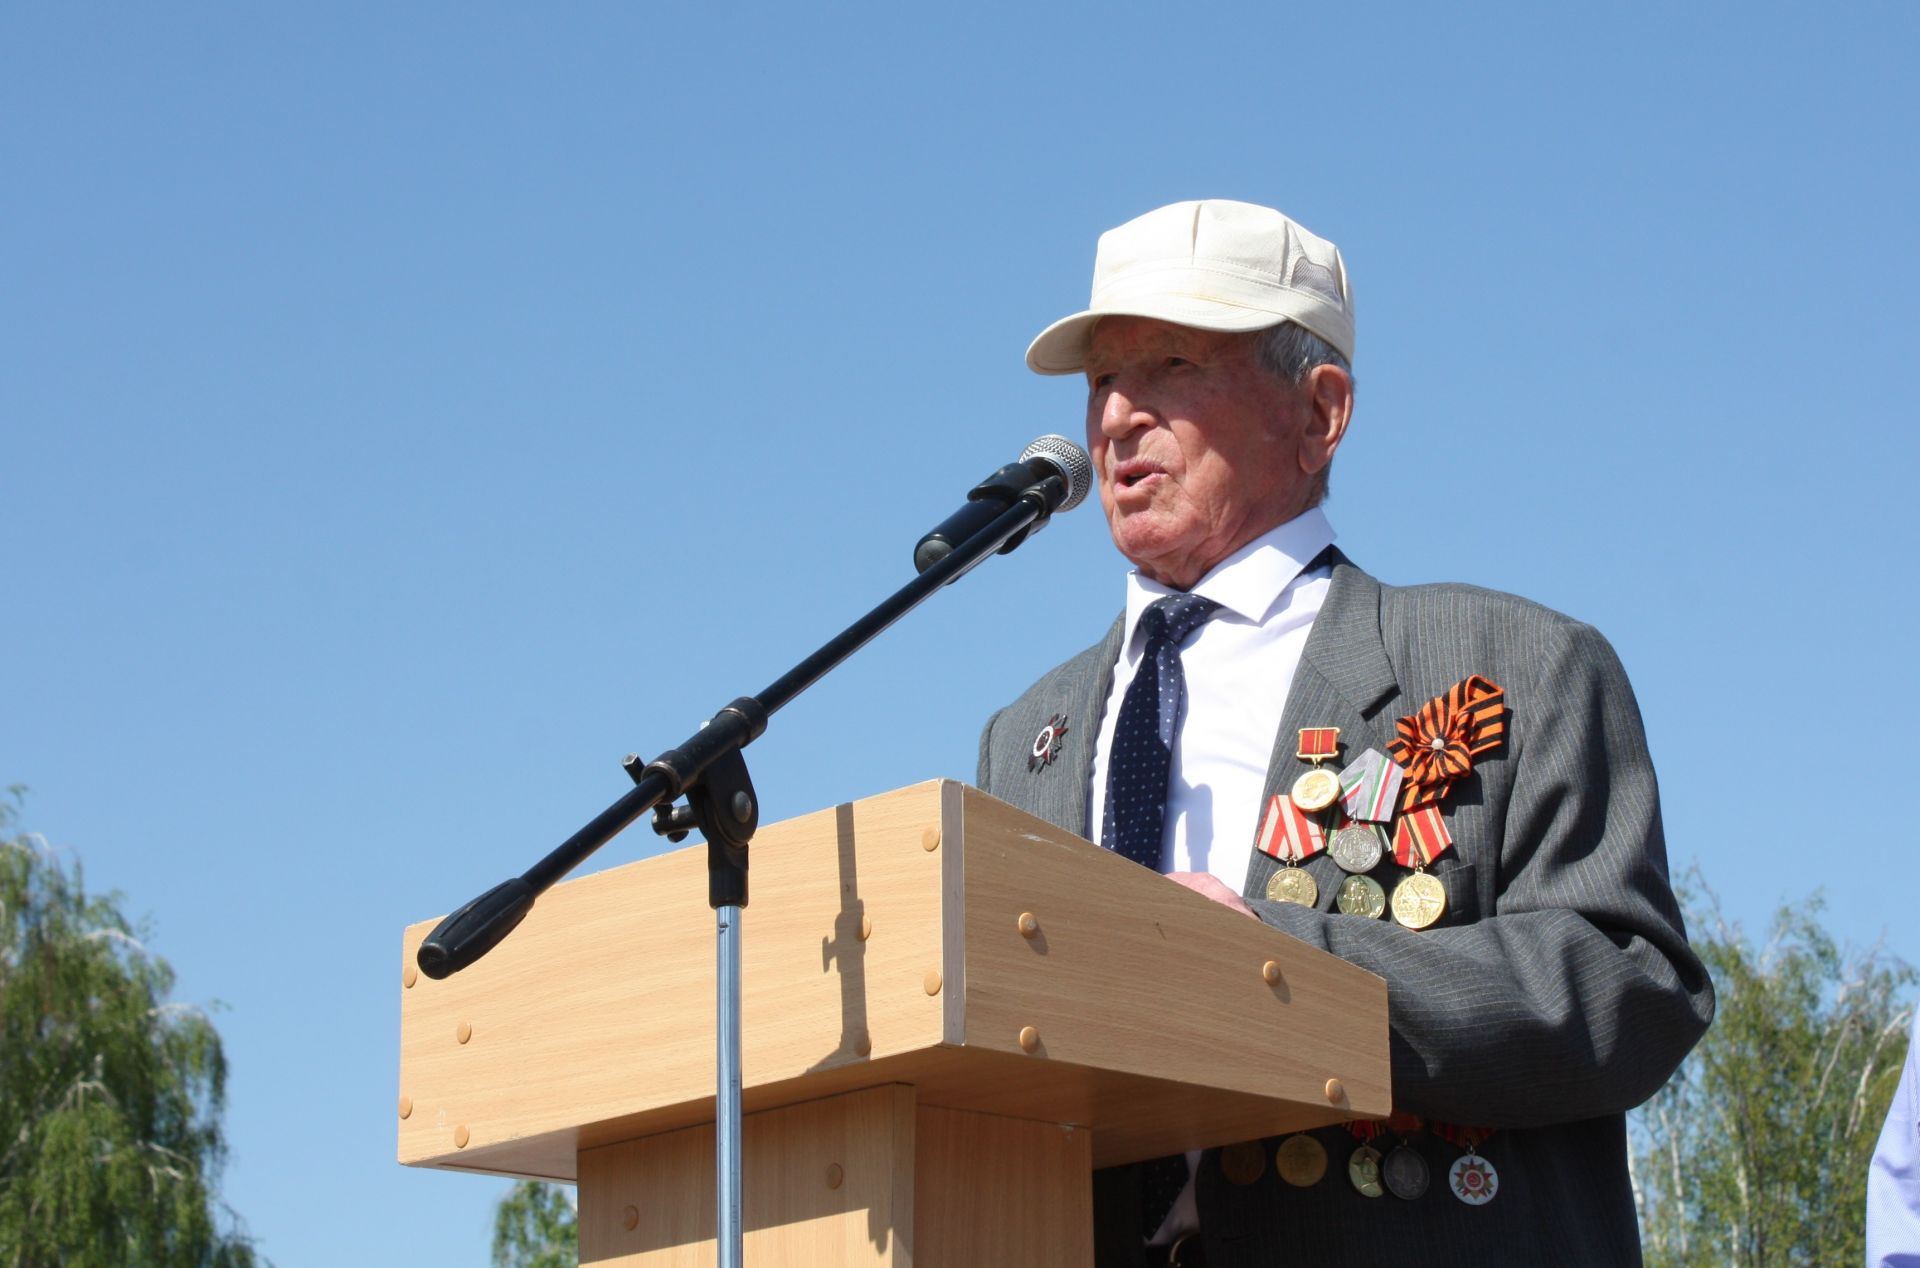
983 770
1578 995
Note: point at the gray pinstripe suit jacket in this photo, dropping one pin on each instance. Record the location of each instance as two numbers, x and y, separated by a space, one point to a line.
1557 991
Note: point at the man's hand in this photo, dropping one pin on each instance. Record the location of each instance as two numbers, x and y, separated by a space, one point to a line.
1207 884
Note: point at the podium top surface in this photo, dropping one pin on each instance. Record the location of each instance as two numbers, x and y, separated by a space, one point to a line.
931 936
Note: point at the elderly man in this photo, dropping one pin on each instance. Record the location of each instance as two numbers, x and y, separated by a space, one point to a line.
1447 786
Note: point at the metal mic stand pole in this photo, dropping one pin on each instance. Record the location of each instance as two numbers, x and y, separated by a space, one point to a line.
722 804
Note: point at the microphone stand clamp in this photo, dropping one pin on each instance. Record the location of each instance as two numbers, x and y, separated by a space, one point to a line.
720 802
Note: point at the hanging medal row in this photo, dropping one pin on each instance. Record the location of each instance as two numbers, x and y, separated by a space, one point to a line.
1379 805
1384 1161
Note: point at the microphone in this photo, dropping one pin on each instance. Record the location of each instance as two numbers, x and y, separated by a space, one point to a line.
1052 471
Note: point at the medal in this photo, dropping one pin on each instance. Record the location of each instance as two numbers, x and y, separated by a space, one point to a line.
1318 788
1243 1163
1357 847
1290 836
1301 1161
1364 1170
1370 786
1046 745
1405 1173
1420 899
1473 1179
1361 896
1293 884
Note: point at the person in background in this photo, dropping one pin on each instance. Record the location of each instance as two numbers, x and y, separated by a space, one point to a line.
1893 1177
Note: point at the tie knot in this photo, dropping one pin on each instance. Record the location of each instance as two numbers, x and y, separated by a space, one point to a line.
1176 616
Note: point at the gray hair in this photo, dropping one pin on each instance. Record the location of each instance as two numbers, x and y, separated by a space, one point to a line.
1290 351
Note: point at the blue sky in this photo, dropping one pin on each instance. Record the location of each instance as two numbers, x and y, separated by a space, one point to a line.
409 410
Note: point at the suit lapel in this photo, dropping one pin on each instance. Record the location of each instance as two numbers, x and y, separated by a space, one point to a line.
1088 702
1344 680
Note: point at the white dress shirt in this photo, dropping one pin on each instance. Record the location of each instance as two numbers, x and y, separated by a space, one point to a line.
1238 668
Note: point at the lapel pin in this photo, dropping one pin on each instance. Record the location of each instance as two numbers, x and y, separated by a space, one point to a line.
1046 745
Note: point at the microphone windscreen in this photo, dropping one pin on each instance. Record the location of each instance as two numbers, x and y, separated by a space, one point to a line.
1070 460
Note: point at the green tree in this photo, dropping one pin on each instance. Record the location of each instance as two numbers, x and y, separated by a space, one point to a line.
110 1096
1756 1151
534 1226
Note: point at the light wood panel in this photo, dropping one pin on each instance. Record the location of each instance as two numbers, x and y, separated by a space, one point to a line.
599 1008
1129 975
863 1180
994 1190
593 1023
826 1184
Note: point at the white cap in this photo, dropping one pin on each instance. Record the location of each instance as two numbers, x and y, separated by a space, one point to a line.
1217 265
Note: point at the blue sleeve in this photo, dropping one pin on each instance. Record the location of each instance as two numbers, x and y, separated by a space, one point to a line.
1893 1178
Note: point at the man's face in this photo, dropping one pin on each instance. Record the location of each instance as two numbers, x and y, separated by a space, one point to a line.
1198 450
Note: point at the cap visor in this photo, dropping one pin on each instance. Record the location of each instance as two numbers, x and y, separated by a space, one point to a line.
1062 347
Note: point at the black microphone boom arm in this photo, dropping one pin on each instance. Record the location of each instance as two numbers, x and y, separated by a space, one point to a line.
479 926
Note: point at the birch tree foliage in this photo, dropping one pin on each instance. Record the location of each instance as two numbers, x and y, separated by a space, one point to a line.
110 1096
1756 1151
534 1226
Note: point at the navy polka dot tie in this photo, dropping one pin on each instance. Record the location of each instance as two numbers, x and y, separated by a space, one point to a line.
1142 756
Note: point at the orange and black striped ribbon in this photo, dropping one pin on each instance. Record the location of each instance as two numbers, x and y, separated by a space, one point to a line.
1438 743
1420 836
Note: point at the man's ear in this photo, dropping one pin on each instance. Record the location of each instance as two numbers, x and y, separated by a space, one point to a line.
1329 406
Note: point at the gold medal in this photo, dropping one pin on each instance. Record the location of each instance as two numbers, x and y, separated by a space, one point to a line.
1293 885
1243 1163
1364 1170
1419 900
1301 1161
1361 896
1316 790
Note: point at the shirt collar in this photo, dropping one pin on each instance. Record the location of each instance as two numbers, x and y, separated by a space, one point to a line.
1249 583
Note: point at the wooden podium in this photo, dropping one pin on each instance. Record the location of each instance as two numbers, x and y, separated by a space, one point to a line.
951 1012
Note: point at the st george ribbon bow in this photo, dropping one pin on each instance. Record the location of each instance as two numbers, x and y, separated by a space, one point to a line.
1437 744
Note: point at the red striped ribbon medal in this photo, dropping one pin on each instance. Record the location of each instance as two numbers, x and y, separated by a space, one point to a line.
1472 1178
1293 838
1318 788
1370 787
1418 838
1421 837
